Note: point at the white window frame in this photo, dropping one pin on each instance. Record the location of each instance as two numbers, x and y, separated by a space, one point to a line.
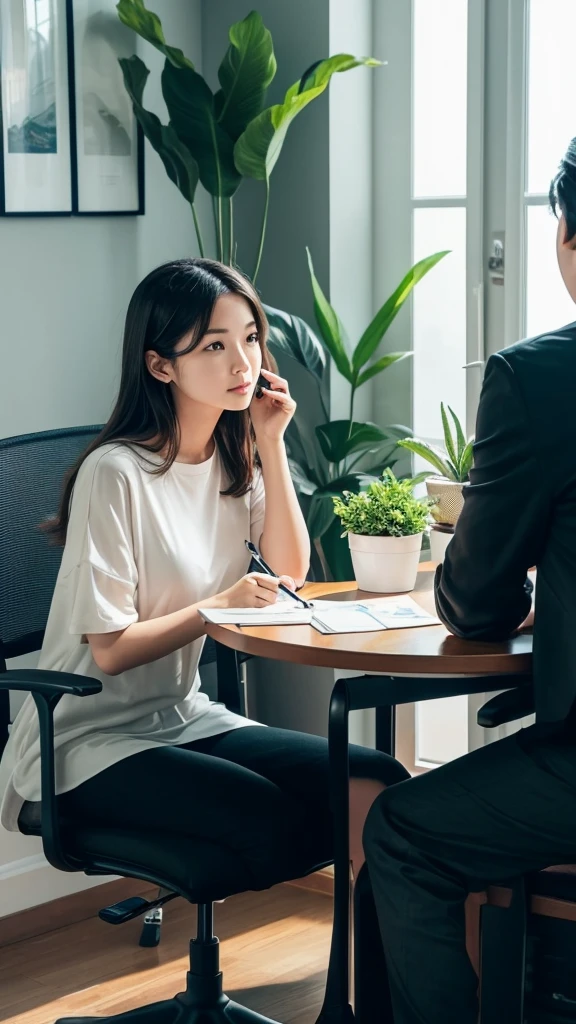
394 205
393 194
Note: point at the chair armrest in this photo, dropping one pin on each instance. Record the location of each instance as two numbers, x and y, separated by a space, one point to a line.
47 689
506 707
42 680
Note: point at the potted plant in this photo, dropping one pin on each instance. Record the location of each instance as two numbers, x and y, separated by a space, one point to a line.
341 455
385 524
220 139
446 487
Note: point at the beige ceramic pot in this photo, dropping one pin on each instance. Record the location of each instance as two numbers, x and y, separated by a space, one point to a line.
448 496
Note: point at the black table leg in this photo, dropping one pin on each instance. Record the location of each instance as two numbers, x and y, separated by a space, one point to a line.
386 729
336 1008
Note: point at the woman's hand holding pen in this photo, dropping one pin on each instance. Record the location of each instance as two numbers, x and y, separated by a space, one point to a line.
272 408
255 590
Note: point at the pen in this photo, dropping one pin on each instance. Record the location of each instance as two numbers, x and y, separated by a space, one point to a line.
263 565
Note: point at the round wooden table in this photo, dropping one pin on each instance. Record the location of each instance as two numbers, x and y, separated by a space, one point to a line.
422 663
425 650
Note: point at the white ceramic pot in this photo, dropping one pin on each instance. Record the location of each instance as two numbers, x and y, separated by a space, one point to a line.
449 499
385 565
439 541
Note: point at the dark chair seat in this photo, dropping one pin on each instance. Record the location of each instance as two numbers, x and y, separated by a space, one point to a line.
200 871
559 882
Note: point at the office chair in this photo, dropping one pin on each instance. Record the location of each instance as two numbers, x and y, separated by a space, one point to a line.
31 471
229 691
527 925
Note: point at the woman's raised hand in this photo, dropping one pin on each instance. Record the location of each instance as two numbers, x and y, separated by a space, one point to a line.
272 412
255 590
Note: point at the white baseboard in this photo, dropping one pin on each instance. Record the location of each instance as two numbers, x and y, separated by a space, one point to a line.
30 881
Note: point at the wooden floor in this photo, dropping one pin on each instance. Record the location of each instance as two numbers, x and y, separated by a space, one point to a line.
274 951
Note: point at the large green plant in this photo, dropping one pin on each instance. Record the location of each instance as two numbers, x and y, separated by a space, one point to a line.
341 455
456 461
221 138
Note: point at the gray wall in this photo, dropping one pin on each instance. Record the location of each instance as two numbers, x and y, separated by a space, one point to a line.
65 287
66 283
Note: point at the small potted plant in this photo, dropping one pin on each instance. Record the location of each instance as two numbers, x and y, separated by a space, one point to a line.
385 524
446 487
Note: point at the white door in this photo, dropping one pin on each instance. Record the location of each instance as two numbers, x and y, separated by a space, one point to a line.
474 110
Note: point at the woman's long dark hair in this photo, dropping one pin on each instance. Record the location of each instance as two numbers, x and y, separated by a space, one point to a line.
171 301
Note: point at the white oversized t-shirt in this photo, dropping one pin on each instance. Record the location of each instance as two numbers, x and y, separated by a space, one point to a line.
138 546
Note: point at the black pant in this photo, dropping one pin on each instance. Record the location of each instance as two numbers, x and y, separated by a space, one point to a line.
497 813
260 793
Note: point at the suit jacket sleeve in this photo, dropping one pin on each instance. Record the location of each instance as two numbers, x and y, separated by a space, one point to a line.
482 590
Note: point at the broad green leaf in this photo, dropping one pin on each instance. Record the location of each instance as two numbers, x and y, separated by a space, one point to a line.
302 482
191 107
320 73
259 146
293 336
454 473
338 438
336 552
320 515
448 442
356 481
420 478
382 364
427 451
148 26
466 460
303 452
398 430
244 74
180 166
329 326
377 468
376 330
460 439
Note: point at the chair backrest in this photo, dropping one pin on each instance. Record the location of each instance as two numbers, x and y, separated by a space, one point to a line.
32 470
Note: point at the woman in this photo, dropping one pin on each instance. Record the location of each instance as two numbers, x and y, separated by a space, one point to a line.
154 519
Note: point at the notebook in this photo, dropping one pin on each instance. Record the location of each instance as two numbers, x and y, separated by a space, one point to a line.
280 614
370 615
329 616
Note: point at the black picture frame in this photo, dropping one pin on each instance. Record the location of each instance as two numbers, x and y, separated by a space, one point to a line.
57 183
35 158
108 165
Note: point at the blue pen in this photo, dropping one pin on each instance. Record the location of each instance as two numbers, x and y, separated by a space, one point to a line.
263 565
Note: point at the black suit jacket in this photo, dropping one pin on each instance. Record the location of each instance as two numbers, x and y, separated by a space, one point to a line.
520 511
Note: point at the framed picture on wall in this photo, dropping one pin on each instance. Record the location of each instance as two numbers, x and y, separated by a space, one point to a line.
107 143
35 164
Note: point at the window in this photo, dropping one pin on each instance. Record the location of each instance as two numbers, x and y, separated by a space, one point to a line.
550 124
473 113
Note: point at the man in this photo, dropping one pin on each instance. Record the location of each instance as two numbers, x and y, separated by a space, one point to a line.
510 807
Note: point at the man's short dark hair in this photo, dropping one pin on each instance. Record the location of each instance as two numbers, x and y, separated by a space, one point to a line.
563 191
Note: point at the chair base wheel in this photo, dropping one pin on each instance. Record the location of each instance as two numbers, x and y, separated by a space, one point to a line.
175 1011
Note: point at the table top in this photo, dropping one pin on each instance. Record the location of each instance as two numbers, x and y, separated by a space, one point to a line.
426 650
